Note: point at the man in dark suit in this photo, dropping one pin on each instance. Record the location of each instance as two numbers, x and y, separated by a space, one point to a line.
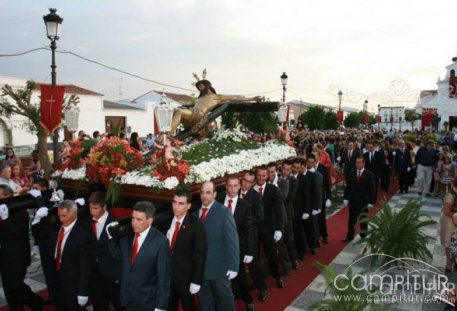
187 239
223 254
255 199
302 207
146 262
386 170
348 157
241 211
74 258
325 200
273 223
15 256
359 196
309 218
402 166
106 276
286 174
374 163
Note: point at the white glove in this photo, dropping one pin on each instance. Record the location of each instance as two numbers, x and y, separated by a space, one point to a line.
394 153
231 274
338 159
80 201
61 194
35 193
370 206
247 259
40 213
4 212
305 216
345 202
82 300
157 309
408 169
315 212
328 203
194 288
111 224
277 236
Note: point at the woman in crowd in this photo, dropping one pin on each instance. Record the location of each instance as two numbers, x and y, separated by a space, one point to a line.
5 179
413 171
19 177
446 224
135 142
35 171
437 175
11 158
447 174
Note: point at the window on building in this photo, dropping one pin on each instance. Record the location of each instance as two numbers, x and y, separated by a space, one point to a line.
452 73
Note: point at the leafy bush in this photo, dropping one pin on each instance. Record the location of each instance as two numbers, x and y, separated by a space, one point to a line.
398 234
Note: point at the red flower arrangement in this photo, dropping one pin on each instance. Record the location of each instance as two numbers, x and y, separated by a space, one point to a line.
78 153
167 164
110 158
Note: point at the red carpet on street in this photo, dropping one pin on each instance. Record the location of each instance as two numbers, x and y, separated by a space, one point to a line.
279 299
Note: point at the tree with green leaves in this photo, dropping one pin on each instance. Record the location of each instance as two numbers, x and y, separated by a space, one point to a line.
412 116
229 120
259 122
314 117
352 120
23 106
331 121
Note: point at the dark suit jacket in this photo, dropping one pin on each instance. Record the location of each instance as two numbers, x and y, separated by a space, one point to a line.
348 164
360 194
376 163
77 259
222 239
189 253
314 192
255 199
145 285
244 225
14 237
302 197
326 186
273 208
108 266
289 200
402 160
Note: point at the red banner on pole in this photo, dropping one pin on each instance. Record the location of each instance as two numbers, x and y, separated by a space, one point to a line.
378 119
339 116
51 106
366 118
427 115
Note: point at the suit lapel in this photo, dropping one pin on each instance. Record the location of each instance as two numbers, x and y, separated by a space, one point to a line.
183 229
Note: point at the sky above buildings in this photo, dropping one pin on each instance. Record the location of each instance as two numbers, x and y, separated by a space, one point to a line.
358 46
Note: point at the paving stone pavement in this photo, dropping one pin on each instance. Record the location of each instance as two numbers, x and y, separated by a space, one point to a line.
431 206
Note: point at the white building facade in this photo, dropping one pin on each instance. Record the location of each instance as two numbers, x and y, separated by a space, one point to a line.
443 100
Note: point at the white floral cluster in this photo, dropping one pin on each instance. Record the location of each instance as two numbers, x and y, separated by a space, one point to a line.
234 135
77 174
235 163
141 179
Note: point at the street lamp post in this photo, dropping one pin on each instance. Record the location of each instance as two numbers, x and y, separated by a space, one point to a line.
53 23
379 114
284 78
283 110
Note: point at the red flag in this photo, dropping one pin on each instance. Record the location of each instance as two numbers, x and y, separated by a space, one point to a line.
339 116
366 118
51 106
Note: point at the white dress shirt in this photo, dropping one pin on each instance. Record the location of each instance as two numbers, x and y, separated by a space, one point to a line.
207 207
67 231
171 231
101 224
234 201
256 188
142 237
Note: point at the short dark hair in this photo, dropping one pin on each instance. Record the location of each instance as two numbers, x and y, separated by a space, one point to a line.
145 207
361 157
250 173
272 164
184 193
232 177
42 182
261 168
296 160
95 134
7 191
287 162
98 198
311 156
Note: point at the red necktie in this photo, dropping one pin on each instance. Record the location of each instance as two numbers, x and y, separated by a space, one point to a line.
230 201
94 227
59 247
203 216
134 248
175 234
359 175
261 190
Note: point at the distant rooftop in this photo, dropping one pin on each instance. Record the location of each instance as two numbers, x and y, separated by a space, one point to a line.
115 105
428 93
73 89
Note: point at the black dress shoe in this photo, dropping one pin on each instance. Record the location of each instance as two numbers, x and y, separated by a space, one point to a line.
348 239
280 283
263 294
295 264
325 240
314 251
250 307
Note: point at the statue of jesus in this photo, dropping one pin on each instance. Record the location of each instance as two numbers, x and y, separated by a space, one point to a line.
207 101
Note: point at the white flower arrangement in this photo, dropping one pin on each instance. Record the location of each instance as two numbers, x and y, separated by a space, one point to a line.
205 171
234 134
